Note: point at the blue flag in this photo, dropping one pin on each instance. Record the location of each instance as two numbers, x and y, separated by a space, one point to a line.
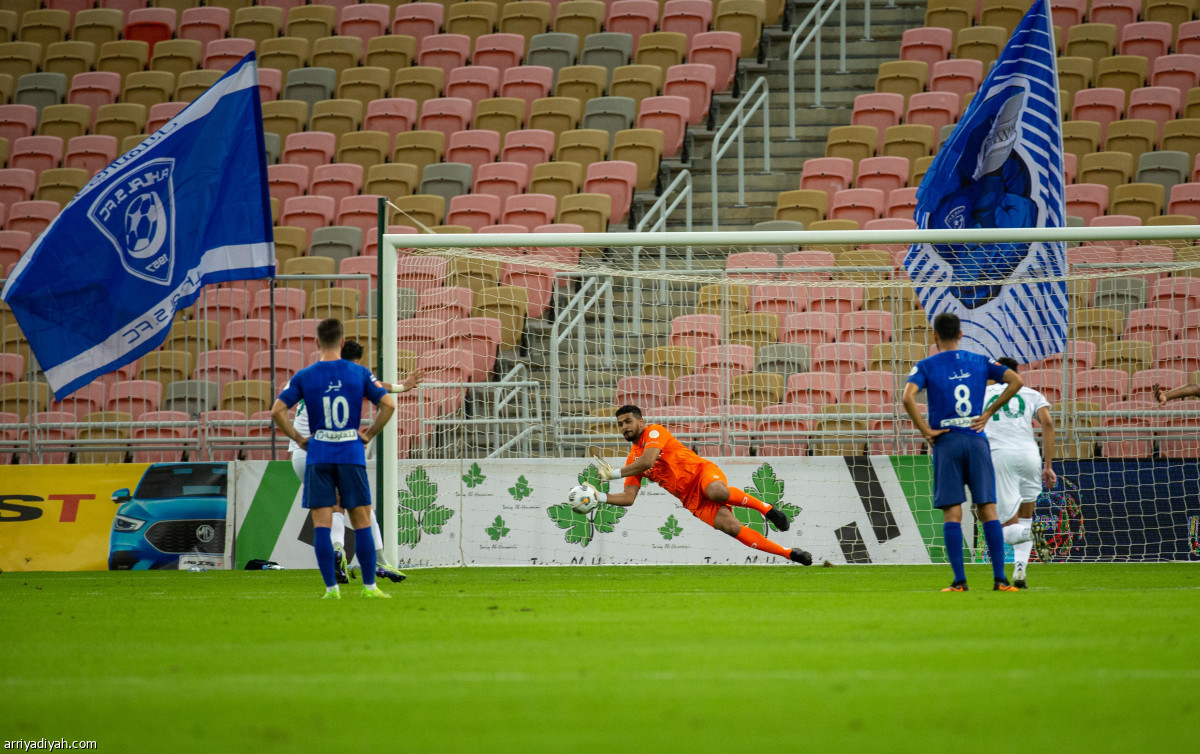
1001 168
188 207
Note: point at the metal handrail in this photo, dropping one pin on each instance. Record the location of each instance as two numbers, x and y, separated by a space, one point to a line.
655 220
818 15
756 97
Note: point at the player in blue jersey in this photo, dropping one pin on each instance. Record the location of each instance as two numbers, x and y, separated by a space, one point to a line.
333 390
955 383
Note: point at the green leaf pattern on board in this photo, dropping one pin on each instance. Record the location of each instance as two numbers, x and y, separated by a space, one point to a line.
671 528
419 511
521 490
474 476
497 530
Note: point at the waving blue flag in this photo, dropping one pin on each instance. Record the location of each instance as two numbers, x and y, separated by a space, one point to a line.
188 207
1001 168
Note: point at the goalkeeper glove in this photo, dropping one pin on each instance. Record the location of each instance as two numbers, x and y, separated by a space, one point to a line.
606 471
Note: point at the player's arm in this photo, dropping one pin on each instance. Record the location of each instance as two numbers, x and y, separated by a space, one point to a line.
1047 421
1012 384
641 465
410 382
914 412
1162 395
623 498
279 414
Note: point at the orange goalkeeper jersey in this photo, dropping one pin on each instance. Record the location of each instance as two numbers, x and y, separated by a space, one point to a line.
676 469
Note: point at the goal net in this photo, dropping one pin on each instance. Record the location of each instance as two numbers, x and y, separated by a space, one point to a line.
782 356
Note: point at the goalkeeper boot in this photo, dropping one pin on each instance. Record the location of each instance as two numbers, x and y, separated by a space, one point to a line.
385 571
957 586
780 519
1041 545
375 593
803 557
339 565
1002 585
332 594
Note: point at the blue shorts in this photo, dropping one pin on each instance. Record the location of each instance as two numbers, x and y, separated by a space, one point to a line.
325 483
962 459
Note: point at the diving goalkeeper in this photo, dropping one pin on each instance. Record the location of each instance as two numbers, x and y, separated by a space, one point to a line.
698 483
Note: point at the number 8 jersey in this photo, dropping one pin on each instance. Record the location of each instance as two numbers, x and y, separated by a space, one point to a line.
333 393
955 383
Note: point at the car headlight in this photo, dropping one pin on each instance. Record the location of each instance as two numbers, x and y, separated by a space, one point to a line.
127 524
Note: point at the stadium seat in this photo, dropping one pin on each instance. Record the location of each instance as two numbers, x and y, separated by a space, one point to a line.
445 51
1180 71
418 83
1149 39
1093 41
828 174
802 205
499 51
883 173
554 51
204 24
445 115
857 204
527 83
936 109
961 77
310 22
929 44
223 54
364 21
903 77
852 142
555 114
98 25
982 43
816 389
338 54
617 179
529 147
878 110
474 83
607 50
501 179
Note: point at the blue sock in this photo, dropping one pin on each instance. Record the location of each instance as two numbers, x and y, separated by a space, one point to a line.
364 550
323 545
952 533
993 534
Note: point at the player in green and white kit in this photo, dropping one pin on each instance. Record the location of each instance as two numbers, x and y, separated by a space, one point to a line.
1020 469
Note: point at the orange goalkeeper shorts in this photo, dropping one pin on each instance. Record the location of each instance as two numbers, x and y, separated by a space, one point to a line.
695 501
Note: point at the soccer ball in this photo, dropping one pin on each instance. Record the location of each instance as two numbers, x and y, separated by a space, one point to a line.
141 221
581 499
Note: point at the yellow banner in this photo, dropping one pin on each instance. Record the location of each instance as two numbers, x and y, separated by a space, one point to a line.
59 518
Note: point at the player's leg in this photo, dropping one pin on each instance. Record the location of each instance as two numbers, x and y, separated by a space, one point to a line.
1010 472
318 498
383 569
721 518
1022 550
981 479
337 532
717 489
356 499
948 498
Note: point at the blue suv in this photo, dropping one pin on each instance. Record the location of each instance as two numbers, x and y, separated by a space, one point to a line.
178 508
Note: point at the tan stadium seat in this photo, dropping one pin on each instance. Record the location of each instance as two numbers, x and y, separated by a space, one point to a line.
1081 137
392 180
61 184
579 17
508 304
950 14
419 148
746 17
418 83
1075 73
898 357
558 179
338 303
123 57
1095 41
149 88
555 114
364 84
982 43
290 242
285 117
1143 200
802 205
643 147
1003 13
257 23
755 330
663 49
247 396
44 27
1173 12
1110 169
582 145
176 56
583 82
722 299
592 211
474 274
636 82
69 58
195 336
284 54
339 117
191 84
910 141
1097 325
65 121
1128 355
853 142
757 389
393 52
104 425
98 25
500 114
671 362
1134 137
473 19
166 367
311 22
903 77
420 209
1182 135
309 266
339 54
527 18
1125 72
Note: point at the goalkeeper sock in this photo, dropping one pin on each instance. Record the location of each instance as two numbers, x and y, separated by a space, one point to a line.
364 550
741 498
754 540
993 534
952 534
337 531
323 546
1019 532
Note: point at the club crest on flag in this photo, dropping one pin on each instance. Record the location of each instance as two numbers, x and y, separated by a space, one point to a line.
136 213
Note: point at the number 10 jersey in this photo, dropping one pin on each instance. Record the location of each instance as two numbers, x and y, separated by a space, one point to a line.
333 393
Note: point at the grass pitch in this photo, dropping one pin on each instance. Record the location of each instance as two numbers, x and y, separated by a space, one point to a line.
1093 657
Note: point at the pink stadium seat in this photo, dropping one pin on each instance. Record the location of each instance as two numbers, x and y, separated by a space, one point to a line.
730 360
1067 13
817 389
32 216
633 17
12 368
868 327
162 113
1182 294
1121 14
1157 103
445 51
363 265
1115 221
1080 354
857 204
17 121
364 21
615 178
696 331
694 82
791 441
1181 354
38 422
935 109
1185 200
308 212
442 304
841 358
253 335
704 391
420 334
777 299
225 365
419 20
473 210
529 147
1181 71
168 433
734 418
1150 39
474 148
527 82
839 301
1102 385
337 180
537 281
959 76
878 109
1087 200
793 260
17 185
1070 162
86 400
289 303
669 115
873 389
754 260
1187 38
71 6
1135 443
223 305
223 54
204 24
810 328
90 153
309 148
447 364
420 272
150 25
1156 323
481 337
884 173
1094 254
286 180
930 44
36 153
393 115
643 390
500 51
371 244
1101 104
299 335
446 115
473 83
502 179
96 88
134 397
13 243
828 174
690 17
721 50
1048 382
1141 386
529 210
902 203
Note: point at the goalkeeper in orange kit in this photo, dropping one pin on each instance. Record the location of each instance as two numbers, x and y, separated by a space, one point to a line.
699 484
